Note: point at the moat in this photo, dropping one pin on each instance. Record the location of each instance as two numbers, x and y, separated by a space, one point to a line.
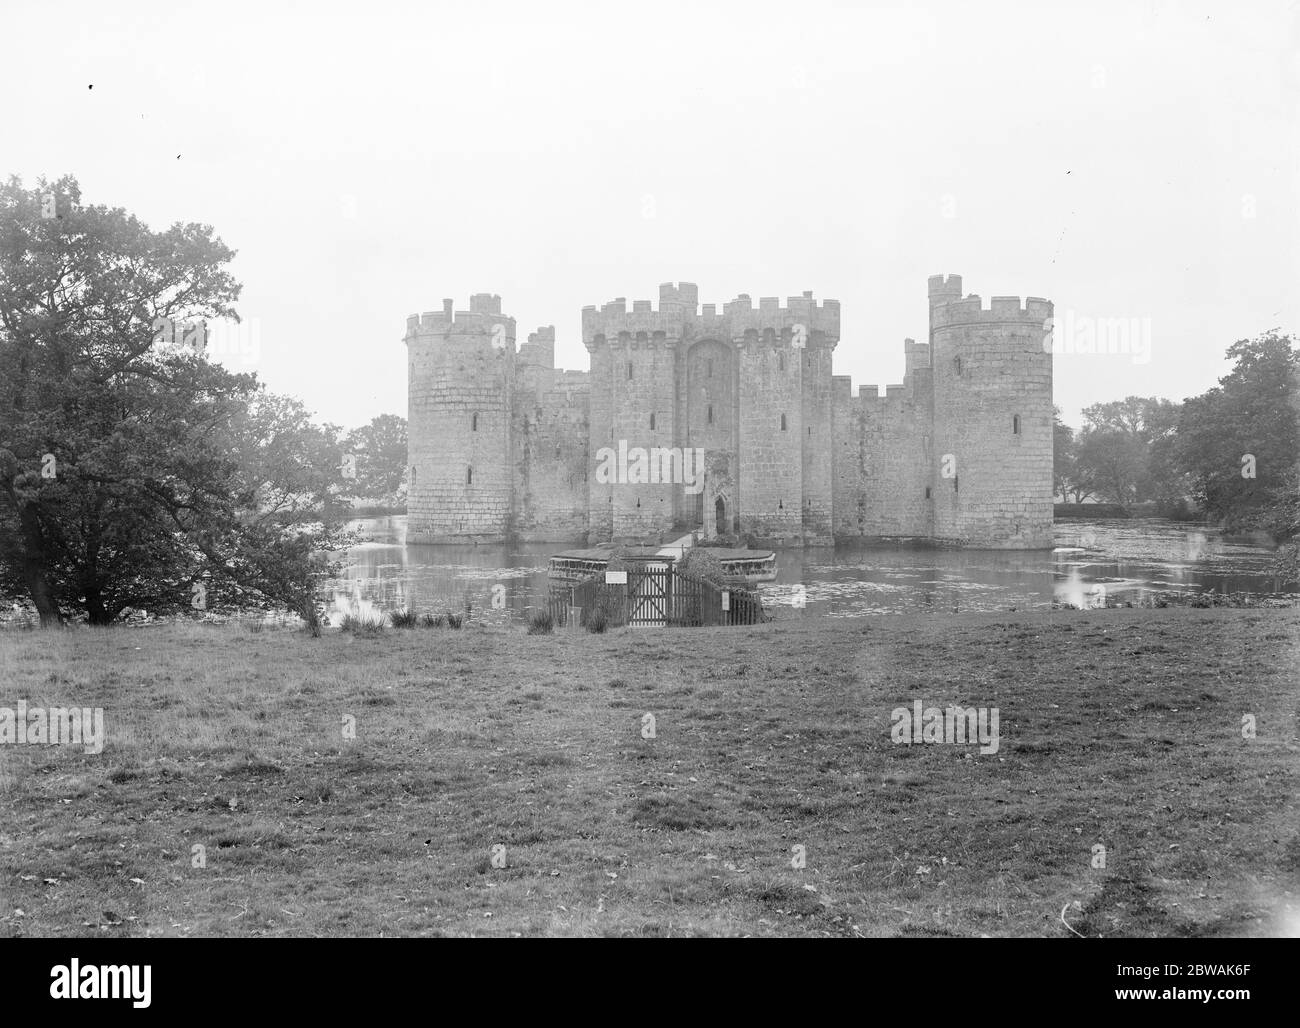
1128 559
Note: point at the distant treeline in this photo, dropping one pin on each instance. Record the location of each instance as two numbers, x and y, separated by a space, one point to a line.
1174 512
1089 510
1230 456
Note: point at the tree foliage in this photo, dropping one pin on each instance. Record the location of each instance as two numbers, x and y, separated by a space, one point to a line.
1066 481
379 449
1239 442
134 472
1124 454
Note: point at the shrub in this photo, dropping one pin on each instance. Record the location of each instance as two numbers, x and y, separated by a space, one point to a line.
617 560
541 623
701 564
433 620
597 620
404 618
363 624
454 620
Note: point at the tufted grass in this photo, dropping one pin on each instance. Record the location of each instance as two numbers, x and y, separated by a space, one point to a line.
1119 728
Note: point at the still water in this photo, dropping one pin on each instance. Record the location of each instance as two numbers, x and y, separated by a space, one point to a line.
1116 561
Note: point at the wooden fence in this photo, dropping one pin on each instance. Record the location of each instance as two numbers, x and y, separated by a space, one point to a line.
657 595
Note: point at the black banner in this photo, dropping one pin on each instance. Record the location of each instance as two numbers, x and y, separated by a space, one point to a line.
167 977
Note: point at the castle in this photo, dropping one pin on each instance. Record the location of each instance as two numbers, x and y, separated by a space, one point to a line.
505 446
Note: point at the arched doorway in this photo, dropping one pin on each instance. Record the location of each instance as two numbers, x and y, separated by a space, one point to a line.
716 521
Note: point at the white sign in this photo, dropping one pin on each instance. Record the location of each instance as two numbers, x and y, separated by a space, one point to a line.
616 578
726 600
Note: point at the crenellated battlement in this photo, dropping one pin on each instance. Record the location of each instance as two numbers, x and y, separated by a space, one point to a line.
539 351
683 295
481 319
680 318
944 289
896 393
917 357
503 444
1001 309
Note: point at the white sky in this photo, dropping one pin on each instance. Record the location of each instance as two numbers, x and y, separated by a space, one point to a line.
367 160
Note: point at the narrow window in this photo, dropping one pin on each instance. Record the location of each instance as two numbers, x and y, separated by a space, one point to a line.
473 423
782 359
652 422
710 414
709 372
927 492
810 429
957 365
469 476
954 482
414 474
629 369
782 422
1015 424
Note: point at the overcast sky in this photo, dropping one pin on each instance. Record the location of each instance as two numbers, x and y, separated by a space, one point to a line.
1125 160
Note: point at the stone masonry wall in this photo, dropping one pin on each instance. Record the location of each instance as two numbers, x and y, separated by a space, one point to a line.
643 382
993 416
882 458
817 441
460 378
770 456
550 429
758 466
841 468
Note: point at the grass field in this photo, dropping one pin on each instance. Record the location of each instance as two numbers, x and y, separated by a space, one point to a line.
1119 728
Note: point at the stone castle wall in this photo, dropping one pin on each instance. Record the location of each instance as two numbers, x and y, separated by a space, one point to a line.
792 456
883 459
993 417
459 423
549 426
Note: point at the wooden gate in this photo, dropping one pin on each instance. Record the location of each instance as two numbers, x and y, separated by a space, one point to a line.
658 595
649 595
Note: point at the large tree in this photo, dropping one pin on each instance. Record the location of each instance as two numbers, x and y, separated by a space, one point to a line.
1067 481
1240 441
379 458
135 473
1123 452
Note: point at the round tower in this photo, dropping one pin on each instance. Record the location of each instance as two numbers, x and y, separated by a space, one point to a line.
460 367
992 483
